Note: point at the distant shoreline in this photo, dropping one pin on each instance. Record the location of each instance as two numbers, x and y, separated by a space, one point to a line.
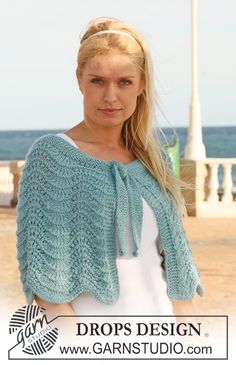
63 129
219 141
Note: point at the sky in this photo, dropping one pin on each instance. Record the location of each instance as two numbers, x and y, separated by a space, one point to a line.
40 40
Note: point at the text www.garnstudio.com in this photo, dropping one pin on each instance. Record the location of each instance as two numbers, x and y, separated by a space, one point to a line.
117 348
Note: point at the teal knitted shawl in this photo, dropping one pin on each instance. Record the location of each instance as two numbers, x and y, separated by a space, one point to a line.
70 207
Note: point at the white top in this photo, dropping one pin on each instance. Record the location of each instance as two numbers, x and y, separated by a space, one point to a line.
142 281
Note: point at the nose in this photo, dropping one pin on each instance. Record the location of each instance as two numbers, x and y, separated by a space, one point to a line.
110 94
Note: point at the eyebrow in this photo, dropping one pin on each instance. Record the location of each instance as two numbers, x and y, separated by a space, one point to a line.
122 77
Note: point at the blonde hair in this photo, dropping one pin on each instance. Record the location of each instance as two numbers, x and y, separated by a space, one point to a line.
137 131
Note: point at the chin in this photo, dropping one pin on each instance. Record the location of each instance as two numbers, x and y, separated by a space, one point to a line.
109 122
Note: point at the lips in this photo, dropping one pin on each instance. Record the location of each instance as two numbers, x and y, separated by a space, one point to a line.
110 111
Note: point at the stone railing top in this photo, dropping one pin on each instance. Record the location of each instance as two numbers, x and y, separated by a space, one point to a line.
217 160
207 160
220 160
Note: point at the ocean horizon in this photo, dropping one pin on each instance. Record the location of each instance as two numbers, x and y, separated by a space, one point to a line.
219 141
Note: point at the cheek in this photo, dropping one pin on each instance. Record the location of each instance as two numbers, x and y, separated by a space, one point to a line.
91 96
131 98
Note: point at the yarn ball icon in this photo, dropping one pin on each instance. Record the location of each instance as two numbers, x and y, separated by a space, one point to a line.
34 333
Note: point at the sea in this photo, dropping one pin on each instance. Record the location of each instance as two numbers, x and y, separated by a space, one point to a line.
219 142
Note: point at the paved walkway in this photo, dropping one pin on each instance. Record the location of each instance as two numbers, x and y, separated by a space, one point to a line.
213 242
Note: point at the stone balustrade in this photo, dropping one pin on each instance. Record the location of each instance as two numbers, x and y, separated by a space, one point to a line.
10 172
215 191
213 195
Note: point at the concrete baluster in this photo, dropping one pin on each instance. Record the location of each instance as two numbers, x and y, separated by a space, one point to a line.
213 182
227 182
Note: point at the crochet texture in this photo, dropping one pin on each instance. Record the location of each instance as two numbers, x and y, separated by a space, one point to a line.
70 208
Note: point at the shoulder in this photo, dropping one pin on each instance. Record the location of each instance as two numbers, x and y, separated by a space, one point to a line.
42 154
41 142
45 148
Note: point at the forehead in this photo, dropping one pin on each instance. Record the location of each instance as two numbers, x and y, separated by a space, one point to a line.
113 64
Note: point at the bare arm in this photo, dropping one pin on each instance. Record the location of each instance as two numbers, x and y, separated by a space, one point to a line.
54 310
185 307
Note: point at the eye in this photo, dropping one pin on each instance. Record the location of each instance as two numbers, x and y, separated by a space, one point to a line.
125 82
97 81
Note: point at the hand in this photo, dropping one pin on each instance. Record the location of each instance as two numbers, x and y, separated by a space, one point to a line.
185 308
53 309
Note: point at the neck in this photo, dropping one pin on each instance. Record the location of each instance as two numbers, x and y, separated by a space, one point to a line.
109 136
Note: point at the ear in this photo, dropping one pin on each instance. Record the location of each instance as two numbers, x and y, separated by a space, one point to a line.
78 76
141 87
140 91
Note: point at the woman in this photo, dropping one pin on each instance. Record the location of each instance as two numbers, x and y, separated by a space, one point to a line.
99 204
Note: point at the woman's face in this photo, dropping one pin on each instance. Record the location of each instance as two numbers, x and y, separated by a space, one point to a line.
110 85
